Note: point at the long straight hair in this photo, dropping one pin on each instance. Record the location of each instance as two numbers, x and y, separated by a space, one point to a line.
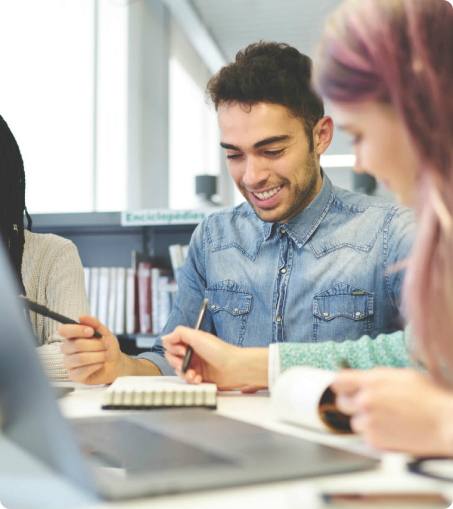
12 199
400 52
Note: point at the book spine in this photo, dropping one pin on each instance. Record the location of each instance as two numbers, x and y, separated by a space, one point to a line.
130 301
155 274
144 296
103 300
120 300
112 299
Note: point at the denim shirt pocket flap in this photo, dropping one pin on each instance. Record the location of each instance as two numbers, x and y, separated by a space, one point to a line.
355 307
234 303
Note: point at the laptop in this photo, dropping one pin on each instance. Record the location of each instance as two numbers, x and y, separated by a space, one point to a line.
139 453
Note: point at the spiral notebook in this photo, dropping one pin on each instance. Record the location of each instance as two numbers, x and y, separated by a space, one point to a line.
144 392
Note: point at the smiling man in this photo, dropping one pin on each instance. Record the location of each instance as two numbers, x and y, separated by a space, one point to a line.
301 260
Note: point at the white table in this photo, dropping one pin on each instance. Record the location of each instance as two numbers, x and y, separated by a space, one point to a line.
256 409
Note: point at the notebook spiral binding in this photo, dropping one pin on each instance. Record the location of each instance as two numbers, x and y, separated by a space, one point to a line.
114 400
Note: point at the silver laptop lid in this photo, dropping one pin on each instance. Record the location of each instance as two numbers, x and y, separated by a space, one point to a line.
28 411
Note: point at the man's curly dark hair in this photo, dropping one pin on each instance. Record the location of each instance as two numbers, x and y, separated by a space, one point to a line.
273 73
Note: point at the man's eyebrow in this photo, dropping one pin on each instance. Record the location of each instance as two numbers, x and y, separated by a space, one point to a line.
231 147
273 139
259 144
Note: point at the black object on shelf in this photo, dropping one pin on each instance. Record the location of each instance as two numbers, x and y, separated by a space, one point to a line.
206 185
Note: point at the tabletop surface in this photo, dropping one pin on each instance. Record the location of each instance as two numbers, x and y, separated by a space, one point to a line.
304 494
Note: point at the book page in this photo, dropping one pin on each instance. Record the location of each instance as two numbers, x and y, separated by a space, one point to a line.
297 395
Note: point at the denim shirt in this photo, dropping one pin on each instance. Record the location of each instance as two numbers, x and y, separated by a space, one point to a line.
324 275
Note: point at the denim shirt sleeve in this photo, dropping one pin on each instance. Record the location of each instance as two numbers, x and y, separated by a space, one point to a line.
393 350
191 292
397 249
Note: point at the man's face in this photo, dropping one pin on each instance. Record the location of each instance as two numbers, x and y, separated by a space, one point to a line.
269 159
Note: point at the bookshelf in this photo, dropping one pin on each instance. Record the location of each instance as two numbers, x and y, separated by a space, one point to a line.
102 241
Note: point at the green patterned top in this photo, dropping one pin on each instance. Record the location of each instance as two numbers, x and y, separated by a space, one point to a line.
392 350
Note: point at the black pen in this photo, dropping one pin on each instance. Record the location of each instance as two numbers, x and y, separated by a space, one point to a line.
188 357
42 310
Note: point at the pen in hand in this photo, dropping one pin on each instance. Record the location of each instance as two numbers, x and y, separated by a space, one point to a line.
188 357
42 310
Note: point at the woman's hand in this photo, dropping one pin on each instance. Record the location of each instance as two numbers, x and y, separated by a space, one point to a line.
398 409
90 360
216 361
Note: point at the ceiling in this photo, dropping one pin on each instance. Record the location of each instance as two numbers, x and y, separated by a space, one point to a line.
234 24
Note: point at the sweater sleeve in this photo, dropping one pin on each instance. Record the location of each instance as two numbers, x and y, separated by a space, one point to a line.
385 350
66 293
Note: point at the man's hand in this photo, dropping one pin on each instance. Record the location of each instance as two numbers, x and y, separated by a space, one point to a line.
95 361
397 409
216 361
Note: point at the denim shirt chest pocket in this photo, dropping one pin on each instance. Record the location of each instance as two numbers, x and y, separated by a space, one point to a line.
230 305
342 312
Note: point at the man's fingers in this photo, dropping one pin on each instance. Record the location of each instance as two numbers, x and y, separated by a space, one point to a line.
84 359
71 346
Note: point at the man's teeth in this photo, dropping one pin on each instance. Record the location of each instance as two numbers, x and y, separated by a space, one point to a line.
267 194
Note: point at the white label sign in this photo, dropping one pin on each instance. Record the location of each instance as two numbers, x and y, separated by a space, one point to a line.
164 216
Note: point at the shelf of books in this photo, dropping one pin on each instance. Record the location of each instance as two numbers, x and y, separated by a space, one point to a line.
131 263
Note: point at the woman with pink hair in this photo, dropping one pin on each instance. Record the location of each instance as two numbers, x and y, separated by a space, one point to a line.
386 66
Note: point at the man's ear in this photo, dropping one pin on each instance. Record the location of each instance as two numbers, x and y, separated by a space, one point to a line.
322 135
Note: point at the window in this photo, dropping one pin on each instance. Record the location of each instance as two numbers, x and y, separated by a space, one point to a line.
194 135
46 97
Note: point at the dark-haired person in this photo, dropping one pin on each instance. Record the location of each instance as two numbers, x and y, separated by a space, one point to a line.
300 261
48 267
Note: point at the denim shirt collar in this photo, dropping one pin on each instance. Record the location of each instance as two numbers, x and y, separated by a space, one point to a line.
301 227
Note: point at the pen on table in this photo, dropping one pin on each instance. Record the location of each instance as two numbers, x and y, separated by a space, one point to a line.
188 357
42 310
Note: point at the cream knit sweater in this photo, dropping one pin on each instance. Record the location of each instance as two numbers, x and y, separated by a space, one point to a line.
52 274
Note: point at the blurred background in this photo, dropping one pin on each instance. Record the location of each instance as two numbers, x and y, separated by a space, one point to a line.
106 97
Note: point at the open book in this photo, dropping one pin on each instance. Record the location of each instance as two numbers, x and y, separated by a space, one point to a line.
302 396
141 392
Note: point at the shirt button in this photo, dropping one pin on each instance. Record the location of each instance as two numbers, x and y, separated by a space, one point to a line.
213 306
282 230
358 313
236 310
279 318
325 314
283 271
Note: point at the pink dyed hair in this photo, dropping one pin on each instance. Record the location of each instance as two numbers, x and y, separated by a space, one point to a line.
401 52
